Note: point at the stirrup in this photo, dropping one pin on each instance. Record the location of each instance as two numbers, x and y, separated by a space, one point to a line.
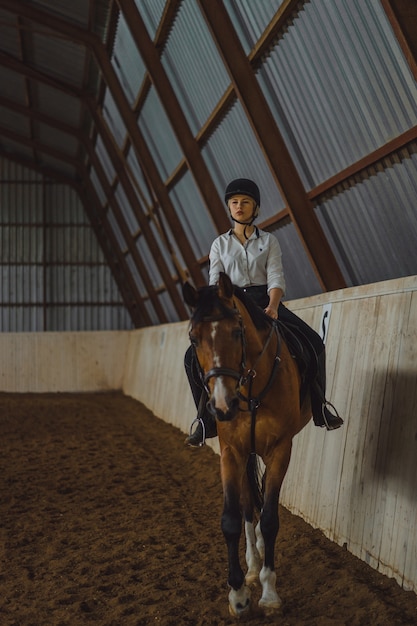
337 423
201 443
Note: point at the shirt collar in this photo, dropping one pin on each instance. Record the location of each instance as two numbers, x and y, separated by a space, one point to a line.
230 233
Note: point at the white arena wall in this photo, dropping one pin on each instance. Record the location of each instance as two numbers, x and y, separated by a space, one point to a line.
357 484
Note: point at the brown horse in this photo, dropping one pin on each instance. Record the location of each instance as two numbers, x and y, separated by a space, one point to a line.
253 385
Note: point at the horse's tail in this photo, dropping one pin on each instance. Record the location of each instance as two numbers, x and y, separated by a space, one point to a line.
255 476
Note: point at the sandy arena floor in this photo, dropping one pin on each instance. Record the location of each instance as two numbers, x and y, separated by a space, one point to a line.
107 518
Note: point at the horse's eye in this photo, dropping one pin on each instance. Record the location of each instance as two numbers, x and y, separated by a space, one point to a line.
237 333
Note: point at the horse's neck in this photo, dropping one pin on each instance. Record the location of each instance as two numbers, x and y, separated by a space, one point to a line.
260 344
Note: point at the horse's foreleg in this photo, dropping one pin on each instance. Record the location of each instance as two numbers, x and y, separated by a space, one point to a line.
231 524
269 526
253 558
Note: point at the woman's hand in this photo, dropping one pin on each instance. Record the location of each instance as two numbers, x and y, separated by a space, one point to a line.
272 312
275 295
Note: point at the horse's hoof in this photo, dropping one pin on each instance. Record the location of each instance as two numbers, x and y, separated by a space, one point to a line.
270 608
239 601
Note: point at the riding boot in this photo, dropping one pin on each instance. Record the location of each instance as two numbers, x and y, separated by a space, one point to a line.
206 425
319 405
206 429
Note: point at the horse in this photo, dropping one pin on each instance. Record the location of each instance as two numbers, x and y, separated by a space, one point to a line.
253 386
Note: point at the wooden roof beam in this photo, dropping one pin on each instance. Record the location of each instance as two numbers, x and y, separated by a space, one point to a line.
124 229
276 152
6 60
118 164
113 255
93 42
30 143
125 182
42 118
46 172
189 146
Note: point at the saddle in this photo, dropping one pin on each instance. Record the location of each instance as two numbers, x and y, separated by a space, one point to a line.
303 352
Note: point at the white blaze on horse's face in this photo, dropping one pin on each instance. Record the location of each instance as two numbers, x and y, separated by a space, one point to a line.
219 393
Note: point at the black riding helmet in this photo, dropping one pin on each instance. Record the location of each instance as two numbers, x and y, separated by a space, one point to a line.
244 187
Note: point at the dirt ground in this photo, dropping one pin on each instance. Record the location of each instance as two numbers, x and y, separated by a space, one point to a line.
107 518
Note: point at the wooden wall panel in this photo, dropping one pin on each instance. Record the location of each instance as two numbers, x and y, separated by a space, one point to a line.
58 362
362 479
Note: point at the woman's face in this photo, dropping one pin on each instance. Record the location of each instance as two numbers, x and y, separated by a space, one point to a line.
241 207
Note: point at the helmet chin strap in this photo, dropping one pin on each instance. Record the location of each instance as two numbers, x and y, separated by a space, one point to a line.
246 224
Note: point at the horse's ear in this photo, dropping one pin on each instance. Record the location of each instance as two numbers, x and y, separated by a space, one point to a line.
225 286
190 294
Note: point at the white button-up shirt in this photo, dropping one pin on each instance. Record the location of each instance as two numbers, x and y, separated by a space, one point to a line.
256 262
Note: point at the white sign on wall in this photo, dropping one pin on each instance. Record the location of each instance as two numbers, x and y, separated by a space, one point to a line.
325 319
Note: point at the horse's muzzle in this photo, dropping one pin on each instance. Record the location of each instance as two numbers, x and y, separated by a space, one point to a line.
231 412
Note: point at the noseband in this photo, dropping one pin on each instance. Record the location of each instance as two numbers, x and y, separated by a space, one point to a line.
253 402
215 372
240 376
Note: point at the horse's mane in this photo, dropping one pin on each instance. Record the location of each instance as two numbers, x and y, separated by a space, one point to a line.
209 301
258 316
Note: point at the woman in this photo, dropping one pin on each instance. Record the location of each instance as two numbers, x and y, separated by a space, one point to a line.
252 259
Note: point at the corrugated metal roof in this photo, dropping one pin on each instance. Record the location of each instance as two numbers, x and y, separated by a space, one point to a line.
9 34
59 105
193 215
127 61
51 55
76 11
97 186
158 134
172 242
154 225
300 278
149 264
199 79
151 11
53 273
105 161
234 152
14 121
12 85
372 224
13 147
136 173
55 138
251 18
14 172
126 209
335 78
58 57
338 85
113 119
58 166
112 220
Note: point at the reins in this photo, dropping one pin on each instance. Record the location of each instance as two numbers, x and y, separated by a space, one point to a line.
255 402
247 378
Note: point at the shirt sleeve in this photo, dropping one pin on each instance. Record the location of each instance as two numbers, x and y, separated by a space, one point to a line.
274 268
216 265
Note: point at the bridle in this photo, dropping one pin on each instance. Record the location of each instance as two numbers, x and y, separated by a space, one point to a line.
215 372
245 376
